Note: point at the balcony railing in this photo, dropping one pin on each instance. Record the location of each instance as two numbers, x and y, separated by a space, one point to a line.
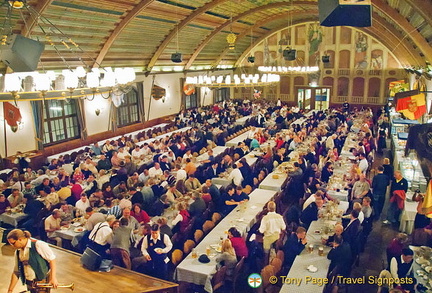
373 100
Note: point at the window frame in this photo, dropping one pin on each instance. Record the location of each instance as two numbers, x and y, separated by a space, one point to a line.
48 120
128 106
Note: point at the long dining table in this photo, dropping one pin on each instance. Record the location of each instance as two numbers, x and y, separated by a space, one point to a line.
242 217
306 281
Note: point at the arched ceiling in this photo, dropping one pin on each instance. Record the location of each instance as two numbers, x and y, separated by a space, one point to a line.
144 33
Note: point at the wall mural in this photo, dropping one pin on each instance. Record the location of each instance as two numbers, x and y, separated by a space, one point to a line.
365 52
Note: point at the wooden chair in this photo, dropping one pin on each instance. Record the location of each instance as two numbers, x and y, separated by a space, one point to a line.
208 226
238 268
188 246
266 273
218 279
280 255
216 217
198 235
176 257
277 264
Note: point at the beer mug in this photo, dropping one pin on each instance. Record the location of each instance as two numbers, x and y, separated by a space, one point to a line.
310 248
321 251
208 250
194 253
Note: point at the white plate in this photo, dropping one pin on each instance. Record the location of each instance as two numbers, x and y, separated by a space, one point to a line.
79 229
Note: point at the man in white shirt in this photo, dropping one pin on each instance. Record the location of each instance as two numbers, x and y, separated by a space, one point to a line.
155 171
52 224
181 173
144 176
251 132
155 248
101 236
271 226
82 204
236 176
137 154
401 267
146 150
27 247
363 164
122 154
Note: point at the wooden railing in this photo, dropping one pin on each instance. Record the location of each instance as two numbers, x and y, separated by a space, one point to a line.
375 72
344 72
341 99
357 100
285 97
373 100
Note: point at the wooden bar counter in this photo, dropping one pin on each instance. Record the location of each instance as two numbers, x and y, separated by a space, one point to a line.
70 270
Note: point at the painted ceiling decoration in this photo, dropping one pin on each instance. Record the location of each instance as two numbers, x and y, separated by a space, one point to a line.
142 33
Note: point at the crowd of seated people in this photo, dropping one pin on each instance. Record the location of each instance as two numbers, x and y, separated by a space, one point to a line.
127 199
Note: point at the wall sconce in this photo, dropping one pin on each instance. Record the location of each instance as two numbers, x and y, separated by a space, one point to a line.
98 111
20 125
163 99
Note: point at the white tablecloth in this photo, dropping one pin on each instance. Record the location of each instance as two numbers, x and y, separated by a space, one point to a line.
236 140
242 121
271 183
339 195
69 234
216 151
243 217
299 268
408 215
12 219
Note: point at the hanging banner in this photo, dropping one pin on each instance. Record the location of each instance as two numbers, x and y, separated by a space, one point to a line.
412 107
397 87
158 92
188 89
11 114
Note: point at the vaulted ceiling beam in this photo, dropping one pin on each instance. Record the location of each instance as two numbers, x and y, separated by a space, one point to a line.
240 16
196 13
33 17
410 31
119 28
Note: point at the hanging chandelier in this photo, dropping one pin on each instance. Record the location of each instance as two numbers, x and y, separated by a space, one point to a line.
289 69
82 81
69 83
235 80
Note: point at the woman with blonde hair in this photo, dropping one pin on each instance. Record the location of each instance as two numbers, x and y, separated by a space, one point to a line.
35 257
228 257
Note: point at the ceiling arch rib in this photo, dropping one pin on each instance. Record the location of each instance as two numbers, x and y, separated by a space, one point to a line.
118 29
408 29
377 34
238 17
182 24
32 18
423 8
264 21
395 37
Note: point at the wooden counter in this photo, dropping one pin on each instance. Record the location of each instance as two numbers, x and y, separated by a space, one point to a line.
69 270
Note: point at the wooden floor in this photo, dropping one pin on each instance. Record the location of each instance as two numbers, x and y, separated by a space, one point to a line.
69 270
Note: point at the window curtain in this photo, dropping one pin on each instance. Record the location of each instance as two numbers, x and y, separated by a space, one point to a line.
141 110
38 117
81 118
116 101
